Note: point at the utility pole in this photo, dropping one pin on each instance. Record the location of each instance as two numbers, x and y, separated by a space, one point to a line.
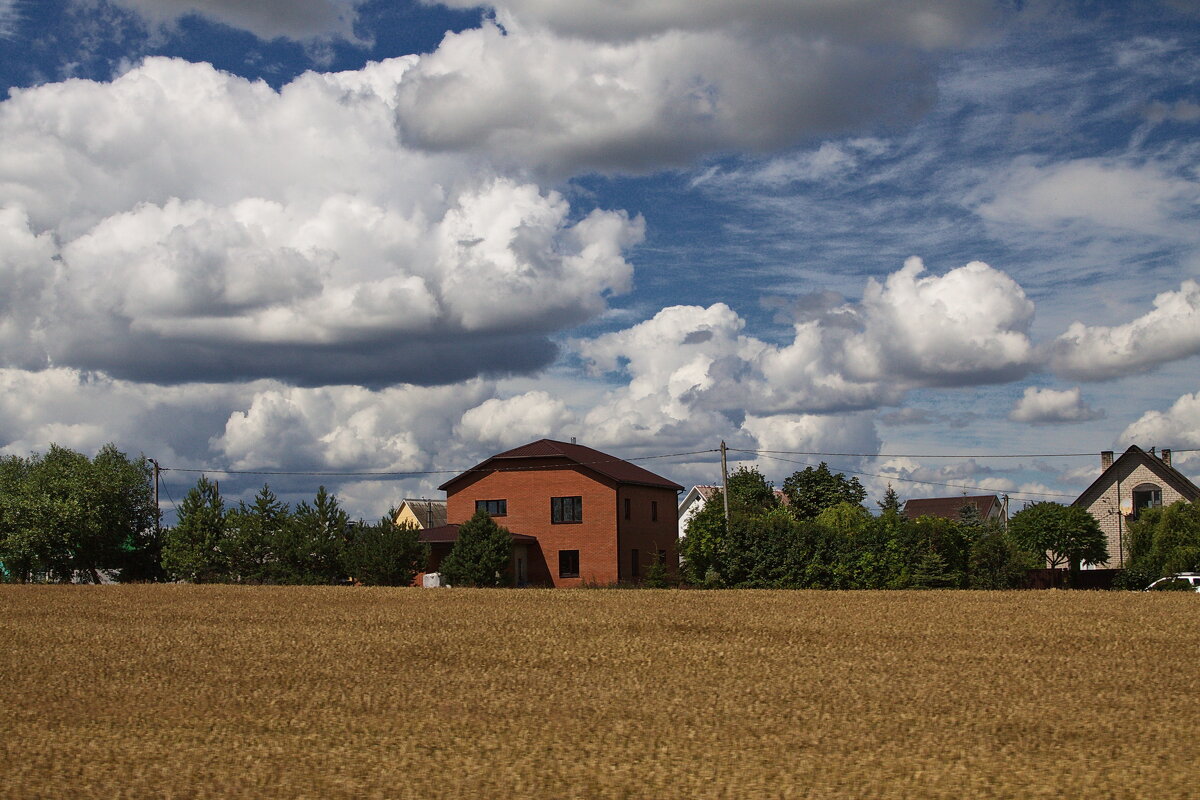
725 484
157 509
1004 497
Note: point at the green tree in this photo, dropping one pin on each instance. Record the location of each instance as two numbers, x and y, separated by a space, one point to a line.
480 555
890 504
705 543
1162 541
308 549
126 515
996 561
915 540
814 489
385 554
194 550
1063 534
63 515
750 492
845 518
251 534
706 547
932 572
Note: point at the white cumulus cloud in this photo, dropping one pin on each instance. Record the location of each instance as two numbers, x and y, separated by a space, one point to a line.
1178 427
1051 406
515 420
266 19
1104 193
970 325
1170 331
692 368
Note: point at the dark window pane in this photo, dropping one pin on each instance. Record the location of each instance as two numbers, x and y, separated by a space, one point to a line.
635 567
568 563
654 511
495 508
566 509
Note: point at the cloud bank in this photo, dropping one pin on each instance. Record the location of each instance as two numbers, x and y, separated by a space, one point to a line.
607 86
182 224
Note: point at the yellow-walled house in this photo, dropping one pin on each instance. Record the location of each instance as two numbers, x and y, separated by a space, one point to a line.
421 513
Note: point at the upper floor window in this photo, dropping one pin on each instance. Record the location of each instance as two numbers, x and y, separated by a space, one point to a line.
566 509
1146 495
495 508
654 511
627 508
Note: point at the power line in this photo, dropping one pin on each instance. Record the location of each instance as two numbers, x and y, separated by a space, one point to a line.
174 505
773 454
415 473
942 455
914 480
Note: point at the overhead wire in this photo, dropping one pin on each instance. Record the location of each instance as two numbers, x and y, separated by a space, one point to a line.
415 473
772 454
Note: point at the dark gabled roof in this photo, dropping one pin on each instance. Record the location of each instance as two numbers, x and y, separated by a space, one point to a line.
948 507
449 533
1168 474
603 464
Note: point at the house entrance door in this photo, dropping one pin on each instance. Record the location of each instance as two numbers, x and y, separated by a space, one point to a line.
520 576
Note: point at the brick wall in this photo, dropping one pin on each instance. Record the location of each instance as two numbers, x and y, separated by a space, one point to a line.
528 492
642 533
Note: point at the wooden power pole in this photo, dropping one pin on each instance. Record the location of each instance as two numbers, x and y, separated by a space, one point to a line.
725 484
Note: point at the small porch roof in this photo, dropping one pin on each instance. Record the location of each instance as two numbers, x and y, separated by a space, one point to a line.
448 534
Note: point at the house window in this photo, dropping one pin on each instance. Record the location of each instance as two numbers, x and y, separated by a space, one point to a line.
566 509
495 508
635 567
654 511
1146 495
627 504
568 563
662 557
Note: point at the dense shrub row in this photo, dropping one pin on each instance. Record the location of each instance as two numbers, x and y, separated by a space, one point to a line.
838 544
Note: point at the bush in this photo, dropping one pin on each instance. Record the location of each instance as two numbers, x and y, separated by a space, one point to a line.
481 554
385 554
657 576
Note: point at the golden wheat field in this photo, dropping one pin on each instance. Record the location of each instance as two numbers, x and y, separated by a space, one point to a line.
205 691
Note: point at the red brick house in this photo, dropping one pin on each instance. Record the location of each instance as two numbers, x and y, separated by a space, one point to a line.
582 516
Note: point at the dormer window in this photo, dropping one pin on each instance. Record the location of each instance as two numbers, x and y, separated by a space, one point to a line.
1146 495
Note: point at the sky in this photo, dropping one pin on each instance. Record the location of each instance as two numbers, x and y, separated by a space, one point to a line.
949 246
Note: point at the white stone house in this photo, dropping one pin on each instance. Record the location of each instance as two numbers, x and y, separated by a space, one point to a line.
1135 481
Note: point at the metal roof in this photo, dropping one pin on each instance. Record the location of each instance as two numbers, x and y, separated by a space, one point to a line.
611 467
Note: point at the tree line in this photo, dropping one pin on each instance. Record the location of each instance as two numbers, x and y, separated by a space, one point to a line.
268 541
67 517
823 538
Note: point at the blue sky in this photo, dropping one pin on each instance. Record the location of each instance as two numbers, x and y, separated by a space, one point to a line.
341 236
